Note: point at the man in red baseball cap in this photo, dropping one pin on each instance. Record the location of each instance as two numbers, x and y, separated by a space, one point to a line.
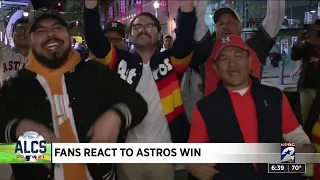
241 110
227 22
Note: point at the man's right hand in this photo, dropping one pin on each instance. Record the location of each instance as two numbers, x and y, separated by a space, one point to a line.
202 171
29 125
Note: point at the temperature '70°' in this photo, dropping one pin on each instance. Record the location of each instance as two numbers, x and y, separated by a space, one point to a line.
297 168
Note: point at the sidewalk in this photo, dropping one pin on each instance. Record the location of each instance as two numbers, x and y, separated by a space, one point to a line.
270 77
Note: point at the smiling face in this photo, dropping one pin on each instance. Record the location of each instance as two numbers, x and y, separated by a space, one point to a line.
21 35
144 33
50 43
227 25
167 42
233 65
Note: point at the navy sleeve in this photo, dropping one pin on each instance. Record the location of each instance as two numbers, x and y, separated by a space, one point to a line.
183 46
97 42
184 43
261 43
202 51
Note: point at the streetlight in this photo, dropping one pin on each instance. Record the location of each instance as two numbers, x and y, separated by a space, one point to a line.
156 6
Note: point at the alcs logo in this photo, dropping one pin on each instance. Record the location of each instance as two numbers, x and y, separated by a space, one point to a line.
31 146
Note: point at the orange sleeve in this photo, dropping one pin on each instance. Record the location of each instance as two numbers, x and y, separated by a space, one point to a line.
111 58
181 65
198 131
289 120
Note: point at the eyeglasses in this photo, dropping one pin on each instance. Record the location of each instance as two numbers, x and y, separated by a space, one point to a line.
148 27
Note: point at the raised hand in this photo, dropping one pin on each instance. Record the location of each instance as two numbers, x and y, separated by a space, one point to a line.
90 4
187 6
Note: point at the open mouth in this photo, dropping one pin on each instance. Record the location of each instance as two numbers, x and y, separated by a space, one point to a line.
144 36
52 45
234 73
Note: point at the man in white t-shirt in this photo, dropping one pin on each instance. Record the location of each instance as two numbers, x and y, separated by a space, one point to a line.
14 59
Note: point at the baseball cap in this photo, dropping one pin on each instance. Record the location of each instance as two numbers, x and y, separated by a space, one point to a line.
115 26
231 40
225 9
46 13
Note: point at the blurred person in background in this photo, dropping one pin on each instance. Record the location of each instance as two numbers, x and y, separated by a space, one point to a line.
73 41
128 42
155 75
131 48
307 50
14 59
167 43
191 90
115 32
227 22
297 70
78 46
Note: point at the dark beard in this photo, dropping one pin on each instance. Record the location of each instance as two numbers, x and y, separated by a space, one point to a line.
145 48
55 62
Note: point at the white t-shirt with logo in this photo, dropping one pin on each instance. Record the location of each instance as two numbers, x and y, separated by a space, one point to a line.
10 62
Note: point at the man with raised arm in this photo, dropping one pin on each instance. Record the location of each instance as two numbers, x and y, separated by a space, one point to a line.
227 22
156 75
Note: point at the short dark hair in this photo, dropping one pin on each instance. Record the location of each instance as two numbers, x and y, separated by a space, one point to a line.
149 15
168 36
22 20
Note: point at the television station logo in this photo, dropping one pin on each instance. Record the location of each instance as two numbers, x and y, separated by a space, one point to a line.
31 146
288 153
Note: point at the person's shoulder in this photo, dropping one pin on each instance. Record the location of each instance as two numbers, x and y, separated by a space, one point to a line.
5 48
19 78
93 66
270 89
210 100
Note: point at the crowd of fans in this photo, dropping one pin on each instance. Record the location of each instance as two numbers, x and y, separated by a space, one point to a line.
136 85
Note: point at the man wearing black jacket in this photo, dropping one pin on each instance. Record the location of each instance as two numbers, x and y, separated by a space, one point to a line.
65 100
307 49
220 117
156 75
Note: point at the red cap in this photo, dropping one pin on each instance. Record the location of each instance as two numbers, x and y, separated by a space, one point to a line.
212 78
231 40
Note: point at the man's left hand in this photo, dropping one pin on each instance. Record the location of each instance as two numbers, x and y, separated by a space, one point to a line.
106 128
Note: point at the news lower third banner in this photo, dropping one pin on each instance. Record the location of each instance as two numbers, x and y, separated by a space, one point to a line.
41 153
